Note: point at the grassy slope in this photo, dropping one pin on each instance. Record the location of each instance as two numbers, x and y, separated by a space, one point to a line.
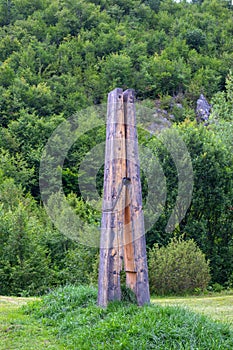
69 319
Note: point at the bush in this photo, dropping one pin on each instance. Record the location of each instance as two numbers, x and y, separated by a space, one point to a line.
178 268
217 287
79 266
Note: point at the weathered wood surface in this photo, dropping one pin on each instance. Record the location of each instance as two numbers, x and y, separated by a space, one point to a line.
134 231
122 226
112 212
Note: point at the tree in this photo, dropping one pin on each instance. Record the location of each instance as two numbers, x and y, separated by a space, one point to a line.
24 261
208 219
117 69
5 12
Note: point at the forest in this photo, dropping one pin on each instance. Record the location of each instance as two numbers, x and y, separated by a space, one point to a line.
58 58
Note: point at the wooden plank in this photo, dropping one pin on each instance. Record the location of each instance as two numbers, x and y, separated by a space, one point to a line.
134 232
112 211
129 263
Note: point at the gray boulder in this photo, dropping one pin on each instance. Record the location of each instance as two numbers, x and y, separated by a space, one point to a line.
203 109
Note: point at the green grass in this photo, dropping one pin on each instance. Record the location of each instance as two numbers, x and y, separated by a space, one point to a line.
80 324
69 318
218 307
20 331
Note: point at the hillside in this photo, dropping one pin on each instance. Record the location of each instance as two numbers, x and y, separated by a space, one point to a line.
59 57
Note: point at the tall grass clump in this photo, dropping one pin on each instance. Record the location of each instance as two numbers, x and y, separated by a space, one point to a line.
72 314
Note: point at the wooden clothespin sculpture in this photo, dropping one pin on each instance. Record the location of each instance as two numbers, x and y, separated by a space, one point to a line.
122 243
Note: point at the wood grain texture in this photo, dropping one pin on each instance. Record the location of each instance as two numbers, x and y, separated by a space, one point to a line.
135 231
112 211
122 226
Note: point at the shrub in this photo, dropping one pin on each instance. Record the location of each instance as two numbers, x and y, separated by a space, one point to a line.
217 287
178 268
230 281
79 266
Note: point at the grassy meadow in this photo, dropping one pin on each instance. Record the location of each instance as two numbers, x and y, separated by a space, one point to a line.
20 331
68 318
218 307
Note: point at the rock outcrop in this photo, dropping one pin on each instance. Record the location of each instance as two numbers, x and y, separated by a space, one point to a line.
203 110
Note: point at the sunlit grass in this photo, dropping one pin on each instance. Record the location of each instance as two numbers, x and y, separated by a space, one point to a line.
20 331
219 307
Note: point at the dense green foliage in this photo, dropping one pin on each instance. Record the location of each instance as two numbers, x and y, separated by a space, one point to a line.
72 314
178 268
58 57
35 257
209 217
